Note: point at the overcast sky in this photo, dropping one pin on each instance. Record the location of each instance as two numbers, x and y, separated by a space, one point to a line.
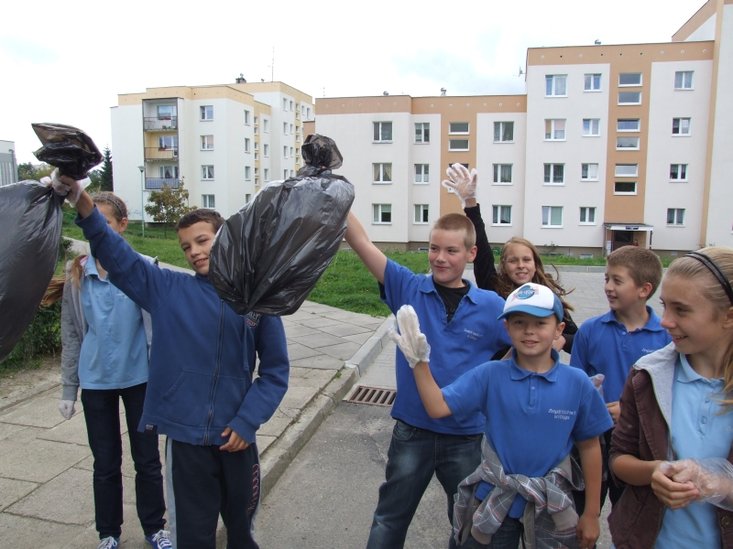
66 61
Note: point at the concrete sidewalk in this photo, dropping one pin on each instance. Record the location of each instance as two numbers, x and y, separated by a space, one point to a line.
46 498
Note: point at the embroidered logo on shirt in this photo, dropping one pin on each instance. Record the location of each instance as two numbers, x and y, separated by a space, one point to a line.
470 334
252 319
563 415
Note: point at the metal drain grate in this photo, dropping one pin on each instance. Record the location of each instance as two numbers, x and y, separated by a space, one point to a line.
377 396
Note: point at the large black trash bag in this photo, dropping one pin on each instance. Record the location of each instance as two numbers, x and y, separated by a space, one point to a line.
30 229
268 256
68 148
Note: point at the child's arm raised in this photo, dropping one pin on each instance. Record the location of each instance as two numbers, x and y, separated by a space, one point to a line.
588 528
371 256
414 345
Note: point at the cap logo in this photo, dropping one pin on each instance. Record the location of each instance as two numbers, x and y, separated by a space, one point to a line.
525 292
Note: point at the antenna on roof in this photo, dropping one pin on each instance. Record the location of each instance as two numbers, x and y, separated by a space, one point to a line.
442 91
597 42
521 72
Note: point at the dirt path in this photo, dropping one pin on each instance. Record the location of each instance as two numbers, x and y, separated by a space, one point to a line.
16 385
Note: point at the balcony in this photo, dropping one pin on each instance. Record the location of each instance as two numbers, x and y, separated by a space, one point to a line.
161 153
155 124
157 183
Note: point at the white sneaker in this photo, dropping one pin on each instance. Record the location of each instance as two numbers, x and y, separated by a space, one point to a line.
108 543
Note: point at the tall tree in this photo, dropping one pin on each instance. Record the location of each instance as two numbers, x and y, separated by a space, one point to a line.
106 182
168 205
27 170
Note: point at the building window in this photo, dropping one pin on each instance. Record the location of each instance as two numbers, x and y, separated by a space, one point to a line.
382 172
285 151
382 132
285 104
627 143
168 171
624 187
206 112
247 145
628 125
168 142
381 213
502 174
265 125
422 173
422 215
554 174
207 142
589 172
552 216
458 144
266 174
680 126
629 98
683 80
587 215
675 216
592 82
591 127
208 201
629 79
266 150
247 116
677 172
556 85
166 112
501 214
285 174
207 172
247 173
458 127
626 170
554 129
422 132
503 132
285 128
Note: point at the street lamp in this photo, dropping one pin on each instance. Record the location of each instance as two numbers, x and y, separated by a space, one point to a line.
142 197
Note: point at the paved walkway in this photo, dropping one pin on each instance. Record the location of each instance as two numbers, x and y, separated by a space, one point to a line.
45 464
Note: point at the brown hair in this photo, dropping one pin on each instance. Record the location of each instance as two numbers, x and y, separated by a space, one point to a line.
643 265
713 290
200 215
457 222
505 285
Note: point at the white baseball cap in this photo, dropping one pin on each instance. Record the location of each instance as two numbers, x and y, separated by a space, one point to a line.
533 299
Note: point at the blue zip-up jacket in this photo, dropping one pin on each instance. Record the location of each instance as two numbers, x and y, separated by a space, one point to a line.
203 354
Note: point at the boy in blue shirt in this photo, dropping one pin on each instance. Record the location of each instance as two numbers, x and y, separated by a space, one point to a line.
536 410
461 319
611 343
202 392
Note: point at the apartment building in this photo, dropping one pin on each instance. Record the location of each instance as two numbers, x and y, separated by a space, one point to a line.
8 164
610 145
222 142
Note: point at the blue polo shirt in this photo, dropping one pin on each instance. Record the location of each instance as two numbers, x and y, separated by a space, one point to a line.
701 428
532 419
114 351
603 345
471 337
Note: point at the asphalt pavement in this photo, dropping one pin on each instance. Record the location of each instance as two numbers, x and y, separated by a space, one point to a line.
317 494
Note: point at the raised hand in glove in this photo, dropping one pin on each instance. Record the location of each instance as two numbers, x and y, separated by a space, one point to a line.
462 182
411 341
66 186
66 407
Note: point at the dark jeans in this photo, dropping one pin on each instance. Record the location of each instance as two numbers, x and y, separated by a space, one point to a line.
609 485
506 537
414 456
208 482
102 415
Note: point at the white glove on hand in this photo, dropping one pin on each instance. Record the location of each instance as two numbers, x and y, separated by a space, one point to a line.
411 341
69 187
66 407
713 477
462 182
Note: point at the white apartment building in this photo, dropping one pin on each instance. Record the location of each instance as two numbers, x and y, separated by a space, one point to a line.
8 164
222 142
610 145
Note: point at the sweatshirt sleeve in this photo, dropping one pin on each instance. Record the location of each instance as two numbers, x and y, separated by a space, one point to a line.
483 265
271 383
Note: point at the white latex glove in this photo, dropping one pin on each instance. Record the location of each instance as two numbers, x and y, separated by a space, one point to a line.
411 341
713 477
69 187
66 407
461 181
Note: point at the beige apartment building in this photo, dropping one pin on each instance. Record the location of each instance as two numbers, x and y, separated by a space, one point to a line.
610 145
222 142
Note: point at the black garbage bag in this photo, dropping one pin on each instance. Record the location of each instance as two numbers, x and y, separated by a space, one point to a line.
30 229
268 256
68 148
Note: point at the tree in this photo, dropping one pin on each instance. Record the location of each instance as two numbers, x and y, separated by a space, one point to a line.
106 182
168 205
26 170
